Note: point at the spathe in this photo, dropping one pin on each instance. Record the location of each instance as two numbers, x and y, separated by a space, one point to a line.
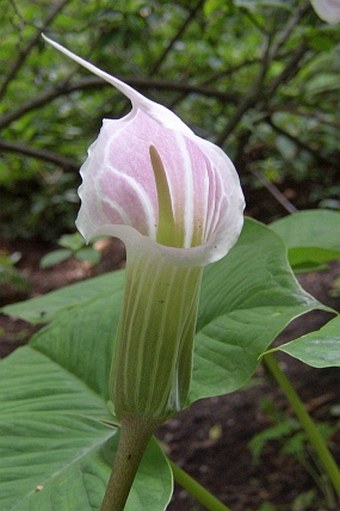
119 195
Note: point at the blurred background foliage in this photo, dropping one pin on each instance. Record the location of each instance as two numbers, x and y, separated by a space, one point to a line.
258 77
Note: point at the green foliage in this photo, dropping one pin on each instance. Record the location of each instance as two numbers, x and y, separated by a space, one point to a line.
72 242
74 245
312 238
45 308
58 383
237 320
335 291
10 276
267 506
258 77
9 260
41 207
239 316
58 441
293 441
304 501
317 349
279 431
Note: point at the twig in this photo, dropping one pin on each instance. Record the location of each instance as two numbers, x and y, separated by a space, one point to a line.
250 98
291 69
254 21
42 154
294 110
224 74
57 7
156 66
178 34
255 93
274 191
94 82
285 33
300 143
229 71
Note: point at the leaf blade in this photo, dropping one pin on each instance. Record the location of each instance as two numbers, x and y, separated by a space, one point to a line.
56 443
238 322
318 349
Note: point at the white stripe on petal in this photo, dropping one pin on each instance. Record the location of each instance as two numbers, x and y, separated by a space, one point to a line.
188 188
141 196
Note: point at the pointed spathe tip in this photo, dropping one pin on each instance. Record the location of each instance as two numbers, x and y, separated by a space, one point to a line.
128 91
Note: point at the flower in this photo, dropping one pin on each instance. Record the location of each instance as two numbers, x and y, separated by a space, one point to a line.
327 10
176 202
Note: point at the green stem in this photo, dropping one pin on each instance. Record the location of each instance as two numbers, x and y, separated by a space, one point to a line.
134 437
196 490
306 422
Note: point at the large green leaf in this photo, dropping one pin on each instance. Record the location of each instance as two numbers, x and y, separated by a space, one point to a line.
312 237
317 349
80 339
247 299
57 444
44 308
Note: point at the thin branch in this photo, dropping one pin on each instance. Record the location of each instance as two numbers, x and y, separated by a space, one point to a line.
215 77
57 7
178 34
294 110
224 74
230 71
41 154
93 82
274 191
254 21
291 69
315 153
249 99
285 33
257 95
237 67
156 66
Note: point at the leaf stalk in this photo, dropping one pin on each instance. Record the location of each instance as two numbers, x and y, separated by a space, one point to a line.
312 432
200 493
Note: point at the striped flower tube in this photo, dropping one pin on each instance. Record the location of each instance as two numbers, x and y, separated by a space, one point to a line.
176 202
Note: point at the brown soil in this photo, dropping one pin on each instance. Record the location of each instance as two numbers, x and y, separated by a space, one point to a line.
211 439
